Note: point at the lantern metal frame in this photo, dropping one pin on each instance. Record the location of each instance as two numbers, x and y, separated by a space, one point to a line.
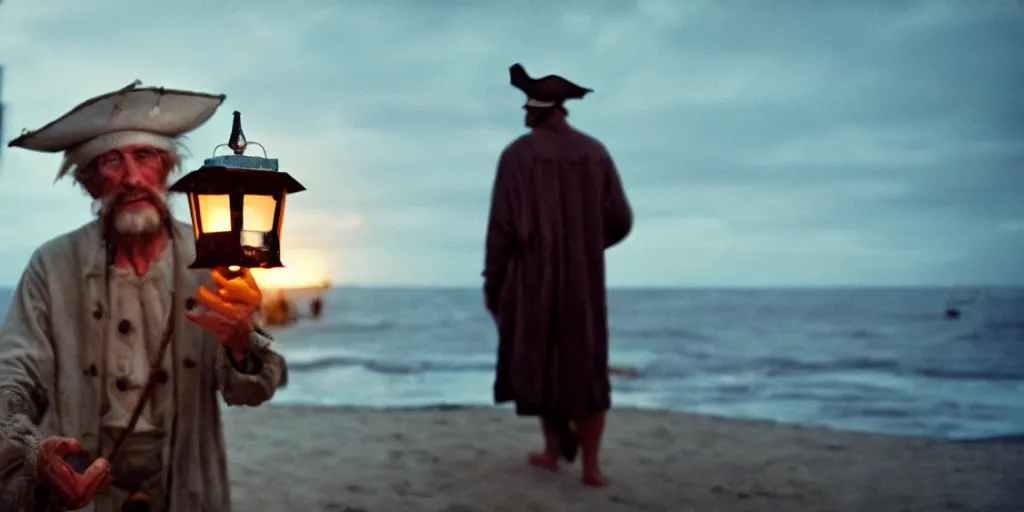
237 176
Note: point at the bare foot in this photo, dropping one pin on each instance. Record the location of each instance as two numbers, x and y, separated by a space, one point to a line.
594 479
543 460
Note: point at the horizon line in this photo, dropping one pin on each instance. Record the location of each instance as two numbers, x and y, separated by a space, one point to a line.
672 287
844 286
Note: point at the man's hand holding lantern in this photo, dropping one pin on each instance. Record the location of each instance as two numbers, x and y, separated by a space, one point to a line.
230 309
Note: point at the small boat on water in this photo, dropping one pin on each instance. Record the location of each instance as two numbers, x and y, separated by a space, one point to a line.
305 280
280 304
956 303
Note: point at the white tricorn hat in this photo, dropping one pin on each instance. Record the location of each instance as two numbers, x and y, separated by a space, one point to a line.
153 116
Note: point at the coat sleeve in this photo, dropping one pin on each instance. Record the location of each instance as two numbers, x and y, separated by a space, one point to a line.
254 380
26 363
501 236
618 215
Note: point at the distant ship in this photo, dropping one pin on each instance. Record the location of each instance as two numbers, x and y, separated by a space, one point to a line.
279 305
304 280
956 303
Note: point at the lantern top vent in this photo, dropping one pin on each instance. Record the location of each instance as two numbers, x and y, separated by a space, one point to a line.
231 173
242 162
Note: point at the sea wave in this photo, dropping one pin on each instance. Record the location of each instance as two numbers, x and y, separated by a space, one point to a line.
352 326
672 334
664 368
783 366
388 366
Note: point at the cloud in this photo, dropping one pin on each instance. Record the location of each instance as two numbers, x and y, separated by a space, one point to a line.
802 143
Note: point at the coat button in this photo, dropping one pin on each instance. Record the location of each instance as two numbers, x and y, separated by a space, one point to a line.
90 371
122 384
124 326
190 303
189 363
160 377
98 312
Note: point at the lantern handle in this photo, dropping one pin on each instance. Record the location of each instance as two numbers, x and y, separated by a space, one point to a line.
247 143
237 141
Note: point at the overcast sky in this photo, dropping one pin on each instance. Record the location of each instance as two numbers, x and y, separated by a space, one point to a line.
761 143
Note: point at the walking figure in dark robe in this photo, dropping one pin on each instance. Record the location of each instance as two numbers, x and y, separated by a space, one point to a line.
556 205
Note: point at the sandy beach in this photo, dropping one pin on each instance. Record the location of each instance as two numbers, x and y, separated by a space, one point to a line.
473 459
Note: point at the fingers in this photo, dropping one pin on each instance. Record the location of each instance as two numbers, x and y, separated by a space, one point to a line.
209 299
79 490
234 334
212 321
60 476
95 476
246 276
58 447
73 489
239 289
230 310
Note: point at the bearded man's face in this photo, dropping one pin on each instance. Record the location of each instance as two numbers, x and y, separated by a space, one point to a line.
129 182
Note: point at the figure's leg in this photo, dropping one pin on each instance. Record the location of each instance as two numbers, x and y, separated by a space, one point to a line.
547 459
591 430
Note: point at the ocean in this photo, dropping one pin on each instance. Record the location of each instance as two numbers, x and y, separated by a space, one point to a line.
874 360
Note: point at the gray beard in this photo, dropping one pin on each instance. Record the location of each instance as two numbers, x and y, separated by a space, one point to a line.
138 222
133 222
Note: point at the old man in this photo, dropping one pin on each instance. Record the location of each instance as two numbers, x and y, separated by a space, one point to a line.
81 369
557 204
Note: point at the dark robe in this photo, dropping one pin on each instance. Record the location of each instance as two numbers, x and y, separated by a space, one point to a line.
557 204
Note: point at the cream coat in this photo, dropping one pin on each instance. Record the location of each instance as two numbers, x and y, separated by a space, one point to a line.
51 365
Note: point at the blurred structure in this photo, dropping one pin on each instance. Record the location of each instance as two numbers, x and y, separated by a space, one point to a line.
287 290
279 304
278 309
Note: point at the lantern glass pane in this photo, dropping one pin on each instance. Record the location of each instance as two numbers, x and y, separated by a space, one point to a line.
258 212
215 212
254 239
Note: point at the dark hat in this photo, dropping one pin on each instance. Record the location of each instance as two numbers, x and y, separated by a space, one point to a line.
547 91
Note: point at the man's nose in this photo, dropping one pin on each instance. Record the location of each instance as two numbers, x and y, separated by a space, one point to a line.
133 175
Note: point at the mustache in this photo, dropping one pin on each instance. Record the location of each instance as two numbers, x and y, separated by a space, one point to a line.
108 207
110 203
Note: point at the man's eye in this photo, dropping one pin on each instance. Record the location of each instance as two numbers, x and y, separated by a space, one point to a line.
145 155
110 160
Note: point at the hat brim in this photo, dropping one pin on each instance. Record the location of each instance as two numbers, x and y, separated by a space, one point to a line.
156 110
550 88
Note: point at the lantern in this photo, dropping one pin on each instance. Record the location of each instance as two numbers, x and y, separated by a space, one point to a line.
237 205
